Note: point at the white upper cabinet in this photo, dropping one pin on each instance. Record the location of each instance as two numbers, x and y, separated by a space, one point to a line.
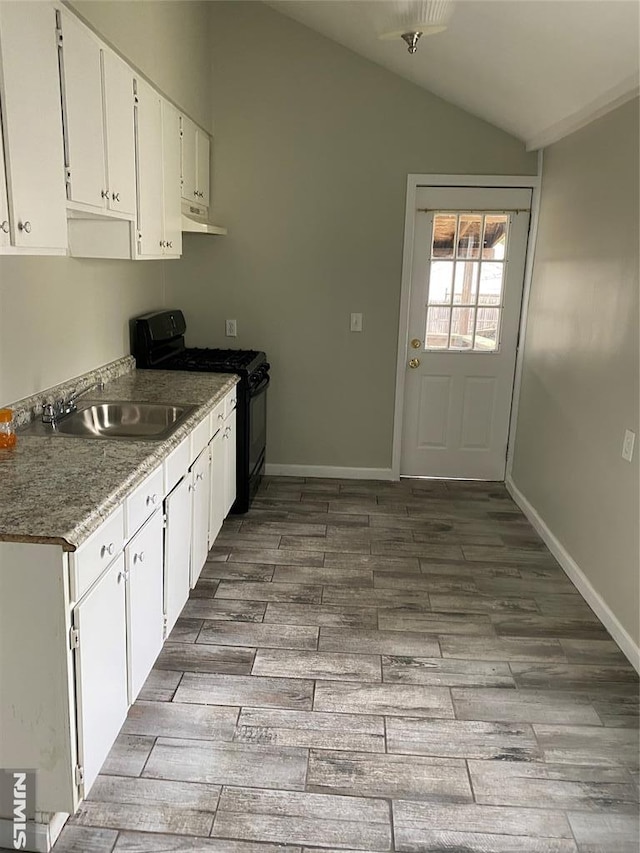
98 101
119 133
159 231
149 225
195 163
171 180
32 128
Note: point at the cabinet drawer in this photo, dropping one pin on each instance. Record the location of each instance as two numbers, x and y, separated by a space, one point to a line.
230 402
141 503
199 438
89 561
217 417
176 465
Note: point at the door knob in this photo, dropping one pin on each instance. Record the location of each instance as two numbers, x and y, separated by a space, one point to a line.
415 362
416 344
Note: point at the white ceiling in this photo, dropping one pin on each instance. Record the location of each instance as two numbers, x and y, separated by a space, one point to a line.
538 69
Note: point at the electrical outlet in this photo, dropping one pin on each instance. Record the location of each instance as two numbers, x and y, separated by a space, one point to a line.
230 328
356 322
627 445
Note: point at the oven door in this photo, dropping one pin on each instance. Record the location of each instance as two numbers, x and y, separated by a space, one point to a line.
257 425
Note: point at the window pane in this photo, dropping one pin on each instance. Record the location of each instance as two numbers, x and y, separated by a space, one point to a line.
437 336
465 282
444 235
494 243
487 329
462 328
440 282
469 234
491 276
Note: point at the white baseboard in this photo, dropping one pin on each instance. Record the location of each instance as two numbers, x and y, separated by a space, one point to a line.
276 470
42 835
593 598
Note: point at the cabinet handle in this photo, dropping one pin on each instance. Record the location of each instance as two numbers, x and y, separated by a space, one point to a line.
152 500
25 226
199 477
170 244
195 192
4 227
109 549
138 558
194 487
122 576
104 194
115 196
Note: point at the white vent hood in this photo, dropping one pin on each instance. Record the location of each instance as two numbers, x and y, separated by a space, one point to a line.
195 221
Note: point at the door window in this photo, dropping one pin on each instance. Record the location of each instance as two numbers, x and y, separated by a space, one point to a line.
466 277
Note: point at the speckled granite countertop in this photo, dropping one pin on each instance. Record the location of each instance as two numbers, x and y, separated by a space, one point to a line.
58 489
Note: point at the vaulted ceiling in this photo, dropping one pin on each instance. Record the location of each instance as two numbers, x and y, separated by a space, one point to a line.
538 69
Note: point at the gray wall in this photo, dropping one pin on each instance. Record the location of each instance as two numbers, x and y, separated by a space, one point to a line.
60 317
581 364
313 145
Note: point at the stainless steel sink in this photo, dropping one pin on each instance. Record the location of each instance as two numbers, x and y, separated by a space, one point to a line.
121 420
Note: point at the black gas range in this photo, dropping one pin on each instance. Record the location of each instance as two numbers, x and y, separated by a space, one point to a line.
158 344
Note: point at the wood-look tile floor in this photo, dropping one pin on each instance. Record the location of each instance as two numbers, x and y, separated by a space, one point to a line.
376 667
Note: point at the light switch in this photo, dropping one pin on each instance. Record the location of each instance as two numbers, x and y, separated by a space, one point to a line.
230 328
356 322
627 445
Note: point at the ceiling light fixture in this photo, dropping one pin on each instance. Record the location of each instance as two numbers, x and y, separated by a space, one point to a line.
412 19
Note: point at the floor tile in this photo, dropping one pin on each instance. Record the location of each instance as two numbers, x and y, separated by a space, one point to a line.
559 676
562 744
277 556
175 719
192 796
322 615
524 706
391 699
160 686
449 672
224 609
128 755
259 634
329 666
376 563
406 619
478 603
312 729
559 786
598 833
293 693
227 763
363 641
432 583
237 571
373 775
185 631
502 649
535 625
192 657
80 839
462 739
323 575
344 596
304 818
135 842
144 818
282 592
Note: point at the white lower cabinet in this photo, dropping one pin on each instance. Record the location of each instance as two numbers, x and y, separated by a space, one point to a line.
218 499
229 436
100 638
177 551
145 601
200 488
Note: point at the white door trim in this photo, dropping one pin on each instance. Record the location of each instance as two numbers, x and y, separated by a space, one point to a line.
413 182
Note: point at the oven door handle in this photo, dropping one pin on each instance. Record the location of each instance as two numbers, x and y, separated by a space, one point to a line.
260 388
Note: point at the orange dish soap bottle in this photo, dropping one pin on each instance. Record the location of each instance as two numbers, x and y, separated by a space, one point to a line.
7 429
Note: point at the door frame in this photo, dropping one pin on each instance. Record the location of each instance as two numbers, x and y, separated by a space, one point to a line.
471 181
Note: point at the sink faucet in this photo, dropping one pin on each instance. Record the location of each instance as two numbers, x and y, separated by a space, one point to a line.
54 412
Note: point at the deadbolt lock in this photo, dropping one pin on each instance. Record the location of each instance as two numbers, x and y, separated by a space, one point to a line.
415 362
416 344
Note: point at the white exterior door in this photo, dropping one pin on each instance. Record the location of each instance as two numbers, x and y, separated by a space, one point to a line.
466 290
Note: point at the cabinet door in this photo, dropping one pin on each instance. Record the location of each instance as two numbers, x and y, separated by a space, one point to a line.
32 125
119 133
177 551
149 171
143 557
4 204
189 167
217 509
171 180
200 528
230 461
101 669
202 159
82 114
